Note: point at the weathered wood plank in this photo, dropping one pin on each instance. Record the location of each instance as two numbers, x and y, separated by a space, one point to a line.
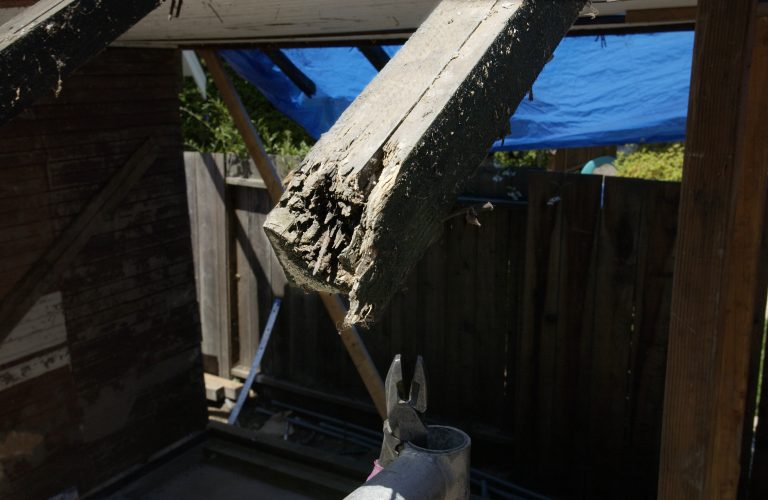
362 209
541 282
718 280
244 124
603 421
50 39
647 364
231 388
562 371
212 257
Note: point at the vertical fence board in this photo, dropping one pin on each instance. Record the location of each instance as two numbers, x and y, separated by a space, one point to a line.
562 215
433 285
653 294
245 205
610 323
206 177
579 210
488 323
540 279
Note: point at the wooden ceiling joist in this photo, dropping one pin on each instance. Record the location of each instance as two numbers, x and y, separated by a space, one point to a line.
284 23
52 38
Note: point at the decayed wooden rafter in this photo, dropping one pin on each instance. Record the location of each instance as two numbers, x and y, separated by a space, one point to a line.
52 38
364 205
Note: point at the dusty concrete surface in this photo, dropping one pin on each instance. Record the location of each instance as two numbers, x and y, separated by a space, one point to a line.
200 475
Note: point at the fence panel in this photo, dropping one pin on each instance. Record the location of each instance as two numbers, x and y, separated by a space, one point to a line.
545 328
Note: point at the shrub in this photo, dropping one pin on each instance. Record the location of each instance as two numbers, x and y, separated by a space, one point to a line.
653 161
208 127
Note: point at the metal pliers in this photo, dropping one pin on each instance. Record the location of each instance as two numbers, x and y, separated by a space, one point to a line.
404 412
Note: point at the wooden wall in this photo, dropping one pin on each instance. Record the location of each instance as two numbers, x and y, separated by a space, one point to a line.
544 330
105 370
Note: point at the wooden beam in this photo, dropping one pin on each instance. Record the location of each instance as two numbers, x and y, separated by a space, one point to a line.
718 285
243 123
365 204
49 40
336 310
214 392
230 388
46 271
657 16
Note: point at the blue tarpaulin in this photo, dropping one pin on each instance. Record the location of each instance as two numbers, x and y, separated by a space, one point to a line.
612 89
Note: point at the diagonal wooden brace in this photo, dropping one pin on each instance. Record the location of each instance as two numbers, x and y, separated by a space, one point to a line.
333 304
367 200
44 273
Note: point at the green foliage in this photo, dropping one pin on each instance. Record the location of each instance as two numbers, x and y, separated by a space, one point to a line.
536 158
662 162
761 368
208 127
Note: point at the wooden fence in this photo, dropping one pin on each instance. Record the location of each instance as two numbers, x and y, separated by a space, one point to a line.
545 328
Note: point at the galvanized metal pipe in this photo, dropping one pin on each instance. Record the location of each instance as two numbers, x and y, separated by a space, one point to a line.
438 471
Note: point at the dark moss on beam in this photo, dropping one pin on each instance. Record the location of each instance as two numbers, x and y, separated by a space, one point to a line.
49 40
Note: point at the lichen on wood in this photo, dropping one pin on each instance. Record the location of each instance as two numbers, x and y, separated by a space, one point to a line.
366 202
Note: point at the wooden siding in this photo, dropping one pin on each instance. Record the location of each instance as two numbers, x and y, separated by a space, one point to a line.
110 371
545 328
